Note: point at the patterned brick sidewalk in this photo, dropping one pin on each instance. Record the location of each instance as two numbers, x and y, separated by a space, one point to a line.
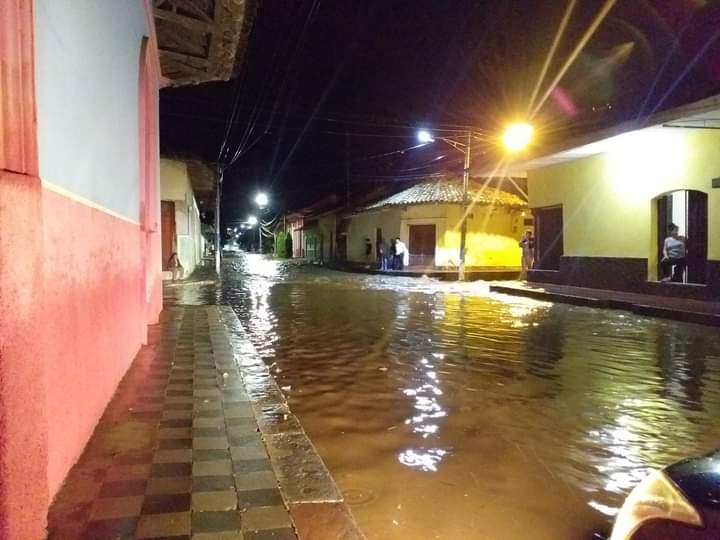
179 452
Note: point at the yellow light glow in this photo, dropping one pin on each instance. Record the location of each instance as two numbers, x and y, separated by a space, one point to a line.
643 164
518 136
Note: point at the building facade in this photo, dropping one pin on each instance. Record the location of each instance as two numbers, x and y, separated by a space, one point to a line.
80 275
180 215
427 218
602 209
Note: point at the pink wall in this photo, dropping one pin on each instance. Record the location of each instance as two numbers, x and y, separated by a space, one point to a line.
95 319
77 288
74 315
24 492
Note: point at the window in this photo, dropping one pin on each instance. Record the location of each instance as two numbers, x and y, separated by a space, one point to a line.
18 145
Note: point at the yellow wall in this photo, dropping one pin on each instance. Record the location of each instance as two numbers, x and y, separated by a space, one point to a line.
492 236
175 186
363 226
608 207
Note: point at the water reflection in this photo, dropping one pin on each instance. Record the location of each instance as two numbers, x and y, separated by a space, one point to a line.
445 411
682 364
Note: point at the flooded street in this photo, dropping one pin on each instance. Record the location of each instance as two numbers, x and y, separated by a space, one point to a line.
445 411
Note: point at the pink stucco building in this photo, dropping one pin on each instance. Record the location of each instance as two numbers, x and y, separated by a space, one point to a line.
79 231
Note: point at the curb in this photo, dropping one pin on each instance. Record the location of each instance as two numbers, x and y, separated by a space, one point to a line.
695 317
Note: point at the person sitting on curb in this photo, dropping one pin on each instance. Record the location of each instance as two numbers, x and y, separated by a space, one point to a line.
175 267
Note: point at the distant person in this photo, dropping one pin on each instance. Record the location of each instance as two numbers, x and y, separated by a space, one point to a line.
175 267
368 250
527 245
674 260
391 255
402 257
383 254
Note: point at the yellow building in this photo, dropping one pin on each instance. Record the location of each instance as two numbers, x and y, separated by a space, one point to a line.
603 205
427 218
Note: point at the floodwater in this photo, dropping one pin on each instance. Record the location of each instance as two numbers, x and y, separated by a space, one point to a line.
445 411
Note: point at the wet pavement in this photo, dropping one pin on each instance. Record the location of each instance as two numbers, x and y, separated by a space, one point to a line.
198 442
446 411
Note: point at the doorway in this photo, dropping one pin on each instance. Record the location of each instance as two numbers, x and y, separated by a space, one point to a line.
422 245
378 243
167 213
548 237
688 210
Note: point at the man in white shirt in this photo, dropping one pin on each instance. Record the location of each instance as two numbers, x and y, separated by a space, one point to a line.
402 257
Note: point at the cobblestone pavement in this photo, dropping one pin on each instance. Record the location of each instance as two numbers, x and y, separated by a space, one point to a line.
181 449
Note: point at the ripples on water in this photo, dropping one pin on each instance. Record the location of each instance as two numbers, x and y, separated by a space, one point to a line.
445 411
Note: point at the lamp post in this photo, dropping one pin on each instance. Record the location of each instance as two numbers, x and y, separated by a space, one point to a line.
517 137
261 200
426 137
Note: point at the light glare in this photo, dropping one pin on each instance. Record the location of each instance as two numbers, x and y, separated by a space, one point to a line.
425 137
518 136
252 220
261 199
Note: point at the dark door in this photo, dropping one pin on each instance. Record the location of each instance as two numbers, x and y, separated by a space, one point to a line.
548 237
664 218
422 245
341 236
689 213
167 214
697 237
378 243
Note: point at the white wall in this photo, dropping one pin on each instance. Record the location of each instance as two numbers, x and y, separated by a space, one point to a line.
175 186
364 226
87 98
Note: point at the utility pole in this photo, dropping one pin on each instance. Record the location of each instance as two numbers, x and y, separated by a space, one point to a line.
347 169
218 251
464 209
260 235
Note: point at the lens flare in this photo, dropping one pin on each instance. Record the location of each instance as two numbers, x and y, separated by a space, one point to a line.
518 136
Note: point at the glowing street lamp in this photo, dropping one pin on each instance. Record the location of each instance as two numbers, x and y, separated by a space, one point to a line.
517 137
252 221
425 137
262 200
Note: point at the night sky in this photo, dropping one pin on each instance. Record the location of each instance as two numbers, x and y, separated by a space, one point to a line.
331 92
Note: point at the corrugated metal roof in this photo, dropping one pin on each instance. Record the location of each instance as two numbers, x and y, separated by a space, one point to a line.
449 192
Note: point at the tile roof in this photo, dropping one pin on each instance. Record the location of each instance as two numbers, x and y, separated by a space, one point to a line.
449 192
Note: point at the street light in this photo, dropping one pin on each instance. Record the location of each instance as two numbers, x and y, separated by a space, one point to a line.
262 200
518 136
424 136
252 221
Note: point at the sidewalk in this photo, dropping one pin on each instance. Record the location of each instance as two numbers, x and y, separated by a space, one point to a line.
198 443
680 309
